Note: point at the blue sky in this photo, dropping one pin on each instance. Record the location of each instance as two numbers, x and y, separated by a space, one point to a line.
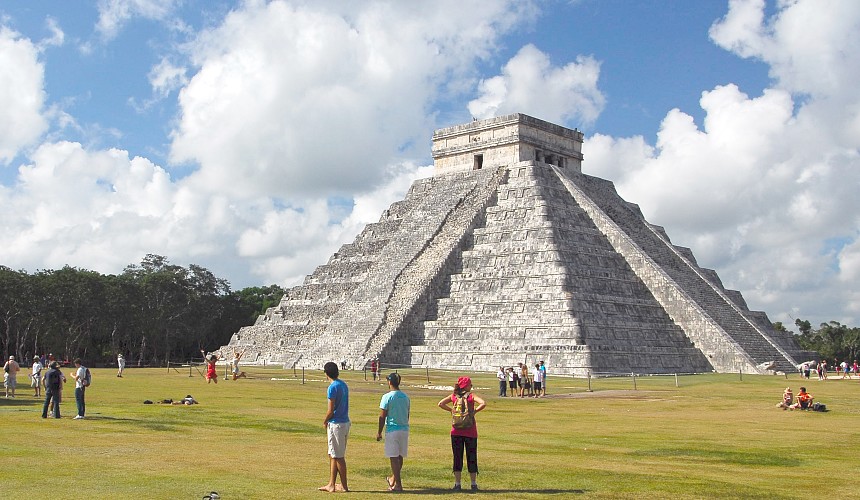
254 138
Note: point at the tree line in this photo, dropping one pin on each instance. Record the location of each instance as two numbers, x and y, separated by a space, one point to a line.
831 340
153 312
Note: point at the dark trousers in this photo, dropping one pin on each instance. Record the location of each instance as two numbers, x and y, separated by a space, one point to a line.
458 443
79 399
503 388
51 396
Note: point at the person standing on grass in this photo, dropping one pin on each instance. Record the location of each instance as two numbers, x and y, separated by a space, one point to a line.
10 376
211 373
543 378
525 381
394 417
120 364
336 422
538 381
53 386
36 376
503 381
513 378
464 429
81 382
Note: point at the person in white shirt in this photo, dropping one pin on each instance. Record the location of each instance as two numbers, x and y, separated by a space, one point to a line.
80 376
503 381
120 363
538 381
36 376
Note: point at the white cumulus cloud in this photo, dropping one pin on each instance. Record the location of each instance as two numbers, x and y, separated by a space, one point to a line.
22 94
766 189
530 84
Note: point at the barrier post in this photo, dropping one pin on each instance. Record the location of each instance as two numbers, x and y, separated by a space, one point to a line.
428 374
633 374
168 367
676 380
741 373
588 375
190 366
303 375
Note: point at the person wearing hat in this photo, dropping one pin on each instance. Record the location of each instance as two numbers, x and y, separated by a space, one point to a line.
10 376
120 363
36 376
394 417
53 385
464 438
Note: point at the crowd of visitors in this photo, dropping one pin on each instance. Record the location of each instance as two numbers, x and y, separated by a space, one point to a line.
843 369
521 381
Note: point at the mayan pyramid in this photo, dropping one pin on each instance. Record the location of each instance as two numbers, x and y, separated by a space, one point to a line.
508 254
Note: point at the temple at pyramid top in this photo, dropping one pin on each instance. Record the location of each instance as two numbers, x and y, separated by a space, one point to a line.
510 254
505 140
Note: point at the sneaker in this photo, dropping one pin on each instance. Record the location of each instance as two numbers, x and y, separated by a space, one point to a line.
457 487
474 487
78 417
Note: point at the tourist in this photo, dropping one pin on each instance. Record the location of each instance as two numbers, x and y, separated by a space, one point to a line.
211 360
464 437
543 378
36 376
53 390
10 376
394 417
81 382
513 381
804 400
503 381
343 364
336 422
846 370
236 373
373 366
120 363
837 366
538 381
787 399
525 381
854 367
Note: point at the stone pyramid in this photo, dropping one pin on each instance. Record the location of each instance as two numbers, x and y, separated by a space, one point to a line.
508 254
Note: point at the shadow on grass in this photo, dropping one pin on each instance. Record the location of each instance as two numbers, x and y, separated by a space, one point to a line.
448 491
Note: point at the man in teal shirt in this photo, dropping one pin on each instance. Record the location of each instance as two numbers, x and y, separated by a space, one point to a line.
337 425
394 417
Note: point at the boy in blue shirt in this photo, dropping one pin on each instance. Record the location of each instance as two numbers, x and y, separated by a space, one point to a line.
394 417
337 427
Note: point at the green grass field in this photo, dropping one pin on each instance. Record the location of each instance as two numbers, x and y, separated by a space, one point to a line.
715 436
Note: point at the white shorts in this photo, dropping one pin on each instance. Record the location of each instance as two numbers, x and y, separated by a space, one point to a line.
337 435
396 443
10 381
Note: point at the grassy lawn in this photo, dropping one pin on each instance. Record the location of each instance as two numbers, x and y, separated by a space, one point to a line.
715 436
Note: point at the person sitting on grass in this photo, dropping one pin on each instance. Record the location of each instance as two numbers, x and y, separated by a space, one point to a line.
787 399
804 400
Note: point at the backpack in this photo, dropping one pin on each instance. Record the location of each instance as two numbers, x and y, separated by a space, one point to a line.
87 378
52 380
461 416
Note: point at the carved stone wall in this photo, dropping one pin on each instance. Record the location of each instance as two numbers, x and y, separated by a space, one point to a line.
510 254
